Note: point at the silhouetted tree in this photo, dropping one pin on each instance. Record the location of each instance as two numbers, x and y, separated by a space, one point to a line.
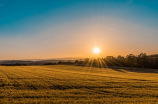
76 61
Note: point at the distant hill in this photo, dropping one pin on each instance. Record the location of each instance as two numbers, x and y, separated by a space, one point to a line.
38 62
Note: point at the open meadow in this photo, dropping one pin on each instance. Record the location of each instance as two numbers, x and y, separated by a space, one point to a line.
77 84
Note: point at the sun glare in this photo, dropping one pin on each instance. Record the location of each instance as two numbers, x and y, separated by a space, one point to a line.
96 50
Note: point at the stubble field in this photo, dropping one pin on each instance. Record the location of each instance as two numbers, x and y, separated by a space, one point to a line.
77 84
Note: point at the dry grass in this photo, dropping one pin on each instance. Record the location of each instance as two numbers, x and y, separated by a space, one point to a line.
76 84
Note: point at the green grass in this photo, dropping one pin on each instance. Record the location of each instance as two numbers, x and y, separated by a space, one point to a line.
76 84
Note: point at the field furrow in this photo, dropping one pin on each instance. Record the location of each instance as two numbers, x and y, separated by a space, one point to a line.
73 84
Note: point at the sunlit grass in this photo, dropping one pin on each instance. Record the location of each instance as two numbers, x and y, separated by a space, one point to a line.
76 84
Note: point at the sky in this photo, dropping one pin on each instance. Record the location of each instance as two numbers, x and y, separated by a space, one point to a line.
46 29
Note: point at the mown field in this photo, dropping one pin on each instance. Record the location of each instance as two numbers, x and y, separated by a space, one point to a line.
77 84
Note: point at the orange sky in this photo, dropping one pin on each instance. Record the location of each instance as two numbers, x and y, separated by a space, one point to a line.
78 38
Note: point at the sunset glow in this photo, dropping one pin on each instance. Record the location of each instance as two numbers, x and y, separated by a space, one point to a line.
61 28
96 50
78 51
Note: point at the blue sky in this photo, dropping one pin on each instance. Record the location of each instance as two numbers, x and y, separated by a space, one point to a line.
17 16
27 19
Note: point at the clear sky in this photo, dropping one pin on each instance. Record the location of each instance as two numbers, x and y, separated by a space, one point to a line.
45 29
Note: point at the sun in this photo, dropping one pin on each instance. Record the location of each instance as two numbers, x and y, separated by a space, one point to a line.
96 50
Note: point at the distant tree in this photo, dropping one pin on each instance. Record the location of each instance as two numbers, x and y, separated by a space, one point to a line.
119 57
131 59
76 61
50 63
68 62
59 62
154 63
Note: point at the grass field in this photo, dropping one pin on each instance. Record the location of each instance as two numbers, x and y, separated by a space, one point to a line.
77 84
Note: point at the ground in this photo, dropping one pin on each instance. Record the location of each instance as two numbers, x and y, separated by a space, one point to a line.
77 84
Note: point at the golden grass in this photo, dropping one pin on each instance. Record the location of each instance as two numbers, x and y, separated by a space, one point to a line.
76 84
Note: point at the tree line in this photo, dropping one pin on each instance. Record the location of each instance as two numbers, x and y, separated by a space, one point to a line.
137 61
